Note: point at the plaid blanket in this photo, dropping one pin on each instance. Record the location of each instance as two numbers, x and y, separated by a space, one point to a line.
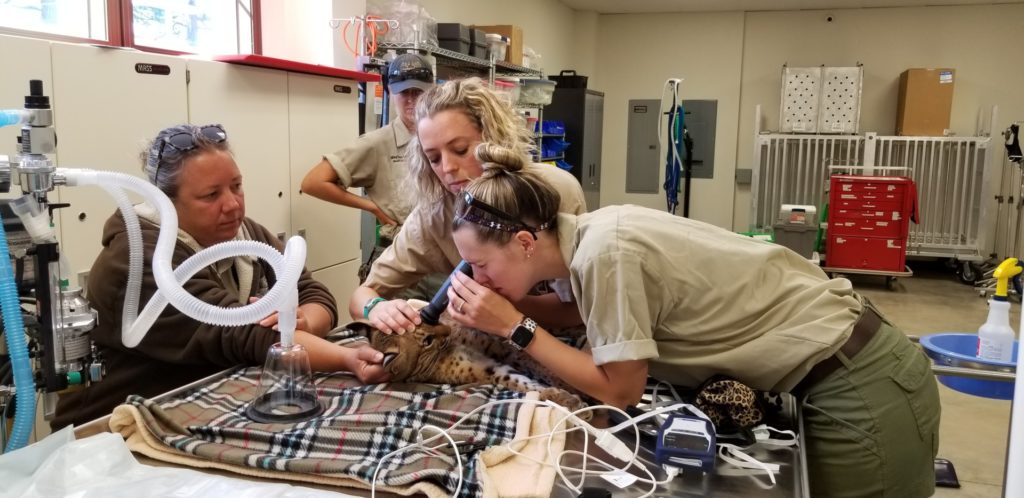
360 425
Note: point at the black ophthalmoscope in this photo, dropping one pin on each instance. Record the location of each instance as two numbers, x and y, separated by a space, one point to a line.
432 312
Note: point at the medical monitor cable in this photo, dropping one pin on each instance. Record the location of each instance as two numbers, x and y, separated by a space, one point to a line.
604 438
672 84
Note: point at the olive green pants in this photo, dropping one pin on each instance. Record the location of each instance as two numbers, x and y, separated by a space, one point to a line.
872 426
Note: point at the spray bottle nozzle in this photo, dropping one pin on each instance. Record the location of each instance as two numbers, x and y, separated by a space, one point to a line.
1006 270
432 312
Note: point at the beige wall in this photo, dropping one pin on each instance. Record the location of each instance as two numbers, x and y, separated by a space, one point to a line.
735 58
977 41
584 46
635 55
298 31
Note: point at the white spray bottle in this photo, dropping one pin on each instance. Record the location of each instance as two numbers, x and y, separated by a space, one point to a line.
995 337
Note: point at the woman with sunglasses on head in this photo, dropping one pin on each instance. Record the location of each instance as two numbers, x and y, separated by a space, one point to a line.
195 168
451 120
683 301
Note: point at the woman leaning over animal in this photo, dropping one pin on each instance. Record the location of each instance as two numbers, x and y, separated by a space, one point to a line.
683 301
451 119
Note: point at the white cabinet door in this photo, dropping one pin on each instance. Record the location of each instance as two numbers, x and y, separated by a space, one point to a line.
342 281
252 105
108 104
323 117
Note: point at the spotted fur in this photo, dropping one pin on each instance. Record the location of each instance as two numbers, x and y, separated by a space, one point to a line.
452 354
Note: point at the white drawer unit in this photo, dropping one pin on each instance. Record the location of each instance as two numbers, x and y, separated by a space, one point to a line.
321 120
107 105
252 105
342 281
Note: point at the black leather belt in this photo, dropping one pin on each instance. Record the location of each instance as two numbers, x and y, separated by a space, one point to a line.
865 328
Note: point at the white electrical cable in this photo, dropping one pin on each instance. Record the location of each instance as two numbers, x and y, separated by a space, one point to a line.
444 433
658 411
742 460
655 402
419 434
604 438
670 475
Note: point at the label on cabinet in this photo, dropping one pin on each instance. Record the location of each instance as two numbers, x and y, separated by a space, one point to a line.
145 68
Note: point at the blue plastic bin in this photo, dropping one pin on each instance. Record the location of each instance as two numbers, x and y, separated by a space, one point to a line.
958 350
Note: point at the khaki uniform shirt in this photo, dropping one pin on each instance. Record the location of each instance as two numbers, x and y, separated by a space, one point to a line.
425 244
376 162
696 300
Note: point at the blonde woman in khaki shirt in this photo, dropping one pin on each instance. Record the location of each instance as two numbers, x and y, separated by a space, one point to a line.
451 120
683 301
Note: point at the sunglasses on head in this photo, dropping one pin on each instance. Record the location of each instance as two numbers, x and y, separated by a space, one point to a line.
423 74
505 222
185 141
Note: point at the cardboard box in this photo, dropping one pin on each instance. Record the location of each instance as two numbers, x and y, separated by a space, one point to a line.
514 54
925 102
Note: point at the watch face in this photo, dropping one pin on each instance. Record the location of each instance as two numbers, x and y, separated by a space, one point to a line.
521 337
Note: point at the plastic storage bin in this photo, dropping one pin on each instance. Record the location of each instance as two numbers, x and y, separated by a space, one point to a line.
496 46
478 43
537 92
454 37
508 90
516 89
568 78
799 239
797 229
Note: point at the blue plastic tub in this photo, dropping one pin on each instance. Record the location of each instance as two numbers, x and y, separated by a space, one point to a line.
958 350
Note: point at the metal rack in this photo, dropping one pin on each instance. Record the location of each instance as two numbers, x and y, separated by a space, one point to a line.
463 61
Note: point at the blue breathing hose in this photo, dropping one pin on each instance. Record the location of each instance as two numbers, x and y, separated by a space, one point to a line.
10 117
14 330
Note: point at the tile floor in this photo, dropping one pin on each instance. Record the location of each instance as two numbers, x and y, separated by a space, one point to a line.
974 430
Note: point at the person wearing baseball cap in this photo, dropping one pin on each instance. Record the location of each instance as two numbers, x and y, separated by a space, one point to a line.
376 161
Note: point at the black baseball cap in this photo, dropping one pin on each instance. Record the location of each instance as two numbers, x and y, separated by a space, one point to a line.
409 71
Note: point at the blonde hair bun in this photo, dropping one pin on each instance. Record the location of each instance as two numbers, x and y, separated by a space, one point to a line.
495 157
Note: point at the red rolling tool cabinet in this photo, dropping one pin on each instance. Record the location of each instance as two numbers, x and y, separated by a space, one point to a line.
868 224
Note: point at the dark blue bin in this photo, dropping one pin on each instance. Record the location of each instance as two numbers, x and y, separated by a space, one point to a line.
958 350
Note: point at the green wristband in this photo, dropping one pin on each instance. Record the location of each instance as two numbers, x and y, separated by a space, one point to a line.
370 304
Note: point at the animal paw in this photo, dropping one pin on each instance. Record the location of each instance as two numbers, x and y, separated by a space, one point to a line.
562 397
